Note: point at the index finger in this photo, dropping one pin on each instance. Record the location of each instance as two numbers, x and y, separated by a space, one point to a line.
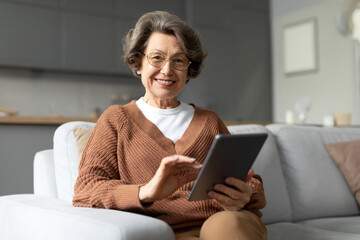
183 158
187 161
179 161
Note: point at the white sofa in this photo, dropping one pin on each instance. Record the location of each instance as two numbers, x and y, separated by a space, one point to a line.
307 196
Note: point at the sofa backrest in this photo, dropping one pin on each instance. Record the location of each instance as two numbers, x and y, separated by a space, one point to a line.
66 158
267 164
315 185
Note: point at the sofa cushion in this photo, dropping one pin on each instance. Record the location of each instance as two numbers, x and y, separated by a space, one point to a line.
346 155
81 137
267 164
66 158
298 231
315 185
338 224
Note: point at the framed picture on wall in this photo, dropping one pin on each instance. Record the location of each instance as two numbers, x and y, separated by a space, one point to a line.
300 47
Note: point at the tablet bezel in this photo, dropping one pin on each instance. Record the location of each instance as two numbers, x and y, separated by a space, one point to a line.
238 146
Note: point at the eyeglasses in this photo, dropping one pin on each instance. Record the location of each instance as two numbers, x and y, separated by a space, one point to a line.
158 59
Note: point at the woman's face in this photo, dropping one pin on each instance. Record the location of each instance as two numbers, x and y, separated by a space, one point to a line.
162 84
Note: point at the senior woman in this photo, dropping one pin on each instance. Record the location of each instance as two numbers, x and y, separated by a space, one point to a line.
143 157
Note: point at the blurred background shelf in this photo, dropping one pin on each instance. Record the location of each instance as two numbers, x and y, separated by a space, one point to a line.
42 120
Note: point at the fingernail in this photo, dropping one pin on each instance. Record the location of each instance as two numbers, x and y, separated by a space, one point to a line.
211 194
198 165
228 180
192 159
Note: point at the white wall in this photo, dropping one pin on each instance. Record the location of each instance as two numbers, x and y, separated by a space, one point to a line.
332 87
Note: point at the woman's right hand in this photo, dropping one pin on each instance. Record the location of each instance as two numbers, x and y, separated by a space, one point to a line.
168 178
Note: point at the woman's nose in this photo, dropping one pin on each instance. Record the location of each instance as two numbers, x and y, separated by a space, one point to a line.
166 69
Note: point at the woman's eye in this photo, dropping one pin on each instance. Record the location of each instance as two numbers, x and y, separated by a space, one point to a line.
157 57
179 60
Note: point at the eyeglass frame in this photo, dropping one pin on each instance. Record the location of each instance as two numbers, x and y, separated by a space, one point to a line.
166 59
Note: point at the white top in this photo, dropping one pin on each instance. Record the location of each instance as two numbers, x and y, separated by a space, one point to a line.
172 122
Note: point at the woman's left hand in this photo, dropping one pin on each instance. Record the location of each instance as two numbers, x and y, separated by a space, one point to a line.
235 195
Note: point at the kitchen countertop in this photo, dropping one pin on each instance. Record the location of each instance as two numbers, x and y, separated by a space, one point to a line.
42 120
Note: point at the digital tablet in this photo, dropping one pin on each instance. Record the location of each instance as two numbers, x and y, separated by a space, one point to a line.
229 156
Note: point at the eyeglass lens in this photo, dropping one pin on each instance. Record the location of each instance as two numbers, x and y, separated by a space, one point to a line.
178 61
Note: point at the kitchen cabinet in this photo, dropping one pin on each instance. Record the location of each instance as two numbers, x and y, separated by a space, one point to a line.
29 36
18 146
49 3
121 29
21 137
87 43
214 16
135 8
105 7
71 35
238 64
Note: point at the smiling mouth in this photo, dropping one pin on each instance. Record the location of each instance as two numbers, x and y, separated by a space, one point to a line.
165 82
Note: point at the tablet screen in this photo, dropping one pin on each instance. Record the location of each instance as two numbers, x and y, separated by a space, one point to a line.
229 156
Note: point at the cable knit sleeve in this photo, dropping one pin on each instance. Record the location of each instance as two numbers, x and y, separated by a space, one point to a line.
99 184
257 200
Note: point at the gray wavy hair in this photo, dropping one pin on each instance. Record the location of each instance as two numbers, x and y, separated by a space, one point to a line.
137 38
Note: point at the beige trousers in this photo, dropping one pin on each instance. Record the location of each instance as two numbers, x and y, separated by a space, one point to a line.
228 225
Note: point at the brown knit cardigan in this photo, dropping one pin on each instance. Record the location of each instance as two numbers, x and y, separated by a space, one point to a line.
123 153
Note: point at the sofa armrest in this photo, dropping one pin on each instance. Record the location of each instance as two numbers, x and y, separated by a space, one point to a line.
37 217
44 174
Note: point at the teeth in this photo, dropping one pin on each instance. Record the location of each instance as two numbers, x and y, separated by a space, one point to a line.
165 82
